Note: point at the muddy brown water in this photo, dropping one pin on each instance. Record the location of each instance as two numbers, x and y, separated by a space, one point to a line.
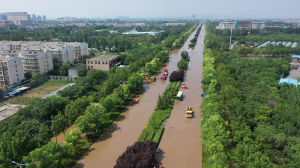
293 73
127 128
181 143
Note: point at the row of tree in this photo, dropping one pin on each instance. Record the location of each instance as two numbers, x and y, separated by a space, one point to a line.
249 120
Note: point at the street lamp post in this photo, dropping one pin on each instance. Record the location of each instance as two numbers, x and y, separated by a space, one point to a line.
20 165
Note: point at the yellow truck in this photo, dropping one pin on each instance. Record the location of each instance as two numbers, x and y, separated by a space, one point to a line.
189 112
153 79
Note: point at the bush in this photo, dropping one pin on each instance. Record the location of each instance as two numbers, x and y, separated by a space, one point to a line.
176 76
140 154
150 135
143 136
158 135
178 85
182 64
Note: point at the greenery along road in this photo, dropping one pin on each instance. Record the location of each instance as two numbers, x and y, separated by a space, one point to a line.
40 116
248 115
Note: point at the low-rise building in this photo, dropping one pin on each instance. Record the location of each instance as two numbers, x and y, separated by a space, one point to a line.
11 70
103 62
73 71
37 62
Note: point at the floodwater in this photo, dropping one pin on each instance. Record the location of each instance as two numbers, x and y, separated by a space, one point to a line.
127 128
293 73
181 143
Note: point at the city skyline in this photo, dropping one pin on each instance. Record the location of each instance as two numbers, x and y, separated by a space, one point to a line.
157 9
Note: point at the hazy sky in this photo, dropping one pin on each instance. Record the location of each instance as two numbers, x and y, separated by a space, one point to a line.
155 8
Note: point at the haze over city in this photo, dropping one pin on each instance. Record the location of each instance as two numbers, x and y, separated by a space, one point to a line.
156 8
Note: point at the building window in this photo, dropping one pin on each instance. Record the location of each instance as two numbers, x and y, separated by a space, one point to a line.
17 79
89 67
102 62
106 63
95 62
47 65
46 57
7 78
17 75
16 70
15 61
98 62
47 62
91 62
88 62
16 66
92 67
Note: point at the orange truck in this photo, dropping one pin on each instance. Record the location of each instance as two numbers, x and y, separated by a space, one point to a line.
153 79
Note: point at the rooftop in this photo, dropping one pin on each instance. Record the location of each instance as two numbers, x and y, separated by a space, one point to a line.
77 67
289 81
105 57
5 59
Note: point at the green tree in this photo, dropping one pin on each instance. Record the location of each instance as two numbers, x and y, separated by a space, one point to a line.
182 64
184 55
81 72
50 155
35 76
44 135
64 69
75 108
28 75
58 124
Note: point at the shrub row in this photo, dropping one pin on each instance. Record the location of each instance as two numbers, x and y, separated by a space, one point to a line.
215 137
158 135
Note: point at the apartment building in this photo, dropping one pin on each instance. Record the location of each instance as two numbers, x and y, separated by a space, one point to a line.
37 62
11 70
65 51
102 62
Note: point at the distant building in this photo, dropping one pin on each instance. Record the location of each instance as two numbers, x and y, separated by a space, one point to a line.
44 18
6 22
258 25
102 62
109 20
11 70
19 18
116 20
227 25
245 24
174 24
241 24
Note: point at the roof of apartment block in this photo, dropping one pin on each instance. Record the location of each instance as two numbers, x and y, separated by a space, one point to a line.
104 57
5 59
10 52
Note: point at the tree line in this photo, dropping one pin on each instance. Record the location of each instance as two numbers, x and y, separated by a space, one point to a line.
249 120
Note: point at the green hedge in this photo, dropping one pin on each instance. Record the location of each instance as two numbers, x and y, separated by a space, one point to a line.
178 85
143 136
158 135
150 135
169 86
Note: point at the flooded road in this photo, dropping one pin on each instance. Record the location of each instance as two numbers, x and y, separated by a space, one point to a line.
127 128
181 144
